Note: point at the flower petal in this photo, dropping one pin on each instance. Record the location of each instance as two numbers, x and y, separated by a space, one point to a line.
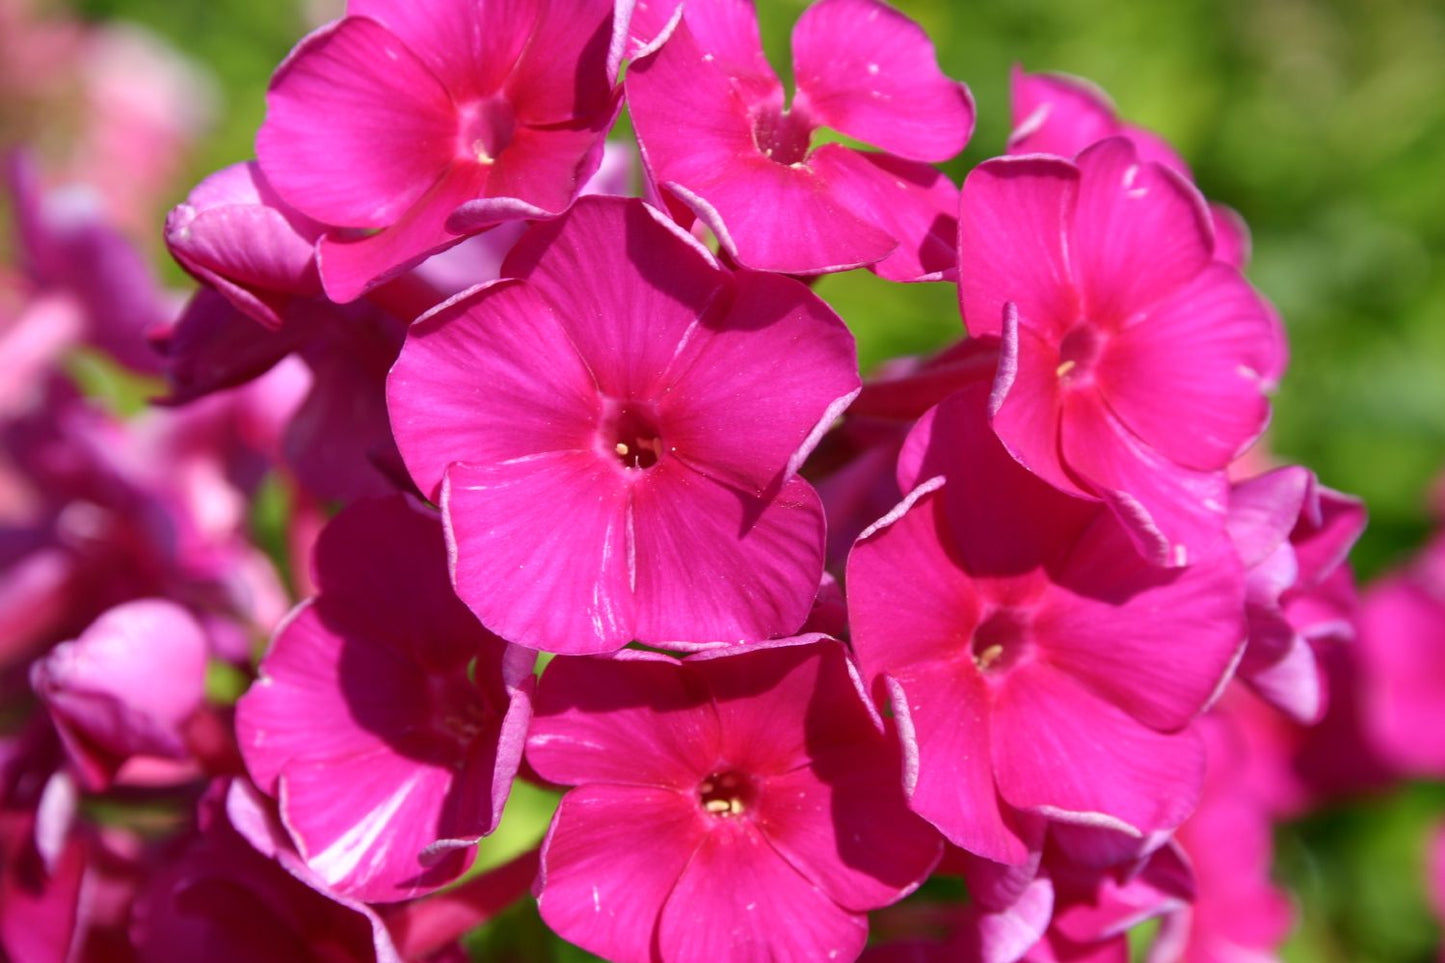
357 128
540 550
868 71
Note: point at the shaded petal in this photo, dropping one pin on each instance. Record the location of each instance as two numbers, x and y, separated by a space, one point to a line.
610 861
910 601
915 203
539 395
1140 230
627 315
351 266
542 168
540 550
1005 520
716 565
844 824
362 821
1011 235
784 706
865 69
943 711
1155 642
623 722
738 899
1185 377
1172 512
563 72
1026 405
357 128
751 390
213 346
1064 752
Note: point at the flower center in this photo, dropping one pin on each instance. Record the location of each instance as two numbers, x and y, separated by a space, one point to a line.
484 129
630 432
783 136
726 794
999 641
1078 353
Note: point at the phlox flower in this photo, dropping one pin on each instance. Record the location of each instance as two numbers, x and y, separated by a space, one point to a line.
613 433
125 687
1134 364
1293 534
386 721
1236 912
1401 666
719 137
1036 664
740 804
1062 115
234 891
428 122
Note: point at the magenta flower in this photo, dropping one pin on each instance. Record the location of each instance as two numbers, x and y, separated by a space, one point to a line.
1036 664
126 687
613 434
742 806
387 722
1293 534
431 122
234 892
719 138
1401 653
1236 912
1062 115
1134 367
235 234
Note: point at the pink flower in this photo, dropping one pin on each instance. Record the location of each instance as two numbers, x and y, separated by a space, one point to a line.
746 806
1063 115
126 687
719 138
1236 912
234 892
235 234
1401 654
1134 364
387 722
1037 666
613 434
1293 534
432 122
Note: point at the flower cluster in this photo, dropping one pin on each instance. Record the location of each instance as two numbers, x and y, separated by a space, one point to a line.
585 490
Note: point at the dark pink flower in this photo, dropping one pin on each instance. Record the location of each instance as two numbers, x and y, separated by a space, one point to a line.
234 892
387 722
235 234
1036 664
1133 365
1063 115
125 687
1236 912
614 431
742 806
719 138
1293 534
428 123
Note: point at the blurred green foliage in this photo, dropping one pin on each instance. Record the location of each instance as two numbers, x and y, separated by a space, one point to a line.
1323 123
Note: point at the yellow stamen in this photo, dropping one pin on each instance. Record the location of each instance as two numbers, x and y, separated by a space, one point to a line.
1064 368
